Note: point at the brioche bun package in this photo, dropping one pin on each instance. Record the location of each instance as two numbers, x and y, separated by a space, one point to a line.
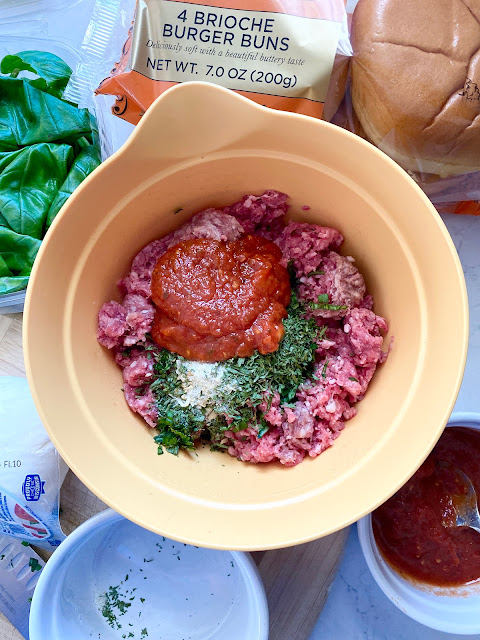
279 53
403 74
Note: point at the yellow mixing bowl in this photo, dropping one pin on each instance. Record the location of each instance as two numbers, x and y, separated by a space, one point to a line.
200 145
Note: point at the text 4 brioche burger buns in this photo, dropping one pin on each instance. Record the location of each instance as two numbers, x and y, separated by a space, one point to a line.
415 81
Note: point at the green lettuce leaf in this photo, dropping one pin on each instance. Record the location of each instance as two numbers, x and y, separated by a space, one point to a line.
15 283
29 185
29 116
17 254
53 72
87 160
17 251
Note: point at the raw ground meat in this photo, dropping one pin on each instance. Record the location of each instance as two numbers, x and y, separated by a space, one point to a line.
340 280
142 403
125 324
304 244
347 355
211 224
257 213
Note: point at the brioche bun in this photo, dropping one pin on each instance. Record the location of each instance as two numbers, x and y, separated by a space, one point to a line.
415 81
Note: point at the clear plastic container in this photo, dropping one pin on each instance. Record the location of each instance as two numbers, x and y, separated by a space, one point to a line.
20 34
12 302
13 10
11 44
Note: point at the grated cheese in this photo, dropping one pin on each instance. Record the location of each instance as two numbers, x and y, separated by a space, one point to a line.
200 382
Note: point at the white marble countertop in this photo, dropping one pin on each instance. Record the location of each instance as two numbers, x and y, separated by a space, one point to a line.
356 608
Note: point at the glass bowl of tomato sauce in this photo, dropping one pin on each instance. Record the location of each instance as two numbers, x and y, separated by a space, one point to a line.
429 571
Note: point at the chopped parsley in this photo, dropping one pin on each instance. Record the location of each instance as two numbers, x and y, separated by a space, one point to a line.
324 370
34 564
246 383
353 379
113 606
263 428
315 273
323 303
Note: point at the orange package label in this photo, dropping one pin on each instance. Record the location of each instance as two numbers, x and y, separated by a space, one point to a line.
282 59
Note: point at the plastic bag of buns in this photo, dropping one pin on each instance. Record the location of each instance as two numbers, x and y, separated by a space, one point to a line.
410 84
279 53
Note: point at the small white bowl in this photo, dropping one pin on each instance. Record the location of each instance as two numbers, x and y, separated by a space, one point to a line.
448 609
188 592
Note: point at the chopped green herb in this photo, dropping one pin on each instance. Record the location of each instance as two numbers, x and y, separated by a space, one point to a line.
323 303
143 633
25 543
113 605
247 384
263 429
315 273
324 370
353 379
142 600
34 564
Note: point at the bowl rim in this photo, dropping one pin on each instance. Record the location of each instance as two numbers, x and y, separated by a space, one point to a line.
303 533
248 570
375 562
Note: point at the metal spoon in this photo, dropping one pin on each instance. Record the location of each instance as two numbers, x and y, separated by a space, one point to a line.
465 507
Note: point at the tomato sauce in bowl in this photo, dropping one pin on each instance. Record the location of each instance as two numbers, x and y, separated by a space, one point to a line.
410 529
216 300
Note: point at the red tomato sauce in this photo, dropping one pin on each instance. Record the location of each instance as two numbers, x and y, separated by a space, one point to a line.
216 300
409 528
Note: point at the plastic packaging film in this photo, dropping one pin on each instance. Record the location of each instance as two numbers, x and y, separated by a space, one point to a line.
279 54
375 69
19 35
31 470
411 86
